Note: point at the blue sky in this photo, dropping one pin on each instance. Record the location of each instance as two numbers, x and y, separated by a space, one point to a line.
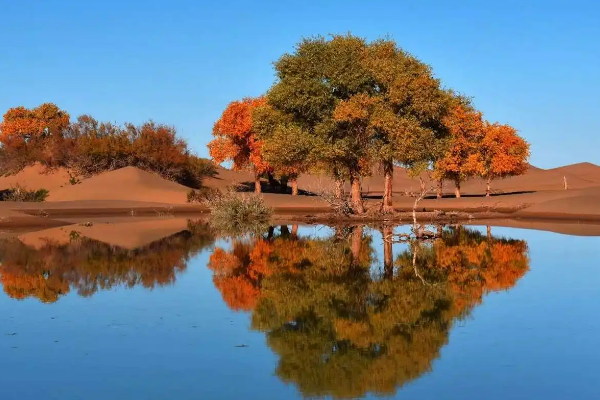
533 64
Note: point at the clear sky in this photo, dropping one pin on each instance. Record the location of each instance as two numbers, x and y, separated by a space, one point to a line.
534 64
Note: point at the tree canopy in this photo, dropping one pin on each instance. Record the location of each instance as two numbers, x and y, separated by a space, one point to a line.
347 106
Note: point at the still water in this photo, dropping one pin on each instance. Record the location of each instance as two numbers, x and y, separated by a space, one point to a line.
302 313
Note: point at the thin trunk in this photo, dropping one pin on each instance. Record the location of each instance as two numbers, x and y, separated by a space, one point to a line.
357 235
440 231
285 231
489 233
388 255
440 188
271 232
388 172
356 200
339 188
257 188
488 189
283 185
422 183
457 188
294 184
295 231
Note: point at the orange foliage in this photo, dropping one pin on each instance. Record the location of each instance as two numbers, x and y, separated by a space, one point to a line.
238 273
478 267
502 152
21 125
235 139
29 135
460 161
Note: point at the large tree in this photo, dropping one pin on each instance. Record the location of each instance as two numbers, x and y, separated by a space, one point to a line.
236 141
320 76
409 125
365 103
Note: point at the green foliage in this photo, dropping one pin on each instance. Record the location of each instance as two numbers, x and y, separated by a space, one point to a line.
235 215
21 194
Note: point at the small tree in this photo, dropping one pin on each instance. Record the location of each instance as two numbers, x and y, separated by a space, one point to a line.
460 161
36 134
501 153
236 141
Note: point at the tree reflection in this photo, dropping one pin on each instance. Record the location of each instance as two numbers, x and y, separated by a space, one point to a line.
343 330
86 265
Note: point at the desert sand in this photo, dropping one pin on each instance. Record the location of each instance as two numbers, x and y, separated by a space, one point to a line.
130 192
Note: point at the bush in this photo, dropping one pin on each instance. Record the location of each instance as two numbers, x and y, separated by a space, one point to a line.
21 194
234 214
202 195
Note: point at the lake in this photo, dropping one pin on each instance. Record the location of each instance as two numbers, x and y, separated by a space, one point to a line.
302 312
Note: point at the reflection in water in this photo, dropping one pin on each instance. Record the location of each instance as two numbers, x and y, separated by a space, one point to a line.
87 265
340 329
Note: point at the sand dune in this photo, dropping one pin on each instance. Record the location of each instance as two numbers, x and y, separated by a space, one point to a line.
127 183
539 192
588 171
36 177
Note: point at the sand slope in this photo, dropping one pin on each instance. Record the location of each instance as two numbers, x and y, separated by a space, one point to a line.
127 183
35 177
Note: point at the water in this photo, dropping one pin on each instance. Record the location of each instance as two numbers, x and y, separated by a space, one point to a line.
290 315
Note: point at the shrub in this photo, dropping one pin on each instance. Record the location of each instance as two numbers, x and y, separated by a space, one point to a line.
234 214
21 194
202 195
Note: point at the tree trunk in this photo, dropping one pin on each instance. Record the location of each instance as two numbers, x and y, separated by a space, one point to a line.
283 185
388 172
339 188
285 231
356 200
270 232
294 184
440 188
489 233
422 184
272 181
257 188
388 255
357 234
488 190
457 188
295 231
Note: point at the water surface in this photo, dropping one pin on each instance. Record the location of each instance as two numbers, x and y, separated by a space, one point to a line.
302 312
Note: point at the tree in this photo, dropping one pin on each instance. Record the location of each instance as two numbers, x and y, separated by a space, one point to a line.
460 160
314 85
236 141
287 147
501 153
365 103
31 135
409 125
